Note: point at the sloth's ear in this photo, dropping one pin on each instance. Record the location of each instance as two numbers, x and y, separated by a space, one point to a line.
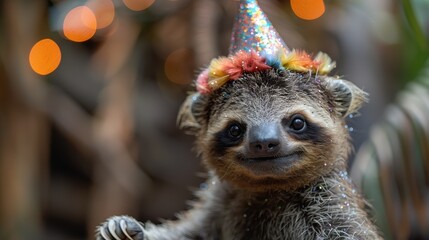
347 97
187 117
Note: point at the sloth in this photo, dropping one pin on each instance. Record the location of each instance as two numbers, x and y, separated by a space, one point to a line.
275 147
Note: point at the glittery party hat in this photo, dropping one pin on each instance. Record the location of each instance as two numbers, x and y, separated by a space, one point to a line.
253 31
256 46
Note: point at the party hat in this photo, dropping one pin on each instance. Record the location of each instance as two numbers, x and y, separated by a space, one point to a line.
256 46
253 31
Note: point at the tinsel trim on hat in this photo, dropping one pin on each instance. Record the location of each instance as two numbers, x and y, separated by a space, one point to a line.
224 69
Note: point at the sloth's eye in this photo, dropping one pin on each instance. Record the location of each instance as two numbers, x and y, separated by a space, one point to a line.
298 123
235 131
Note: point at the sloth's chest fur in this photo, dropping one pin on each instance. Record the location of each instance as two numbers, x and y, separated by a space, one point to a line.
328 209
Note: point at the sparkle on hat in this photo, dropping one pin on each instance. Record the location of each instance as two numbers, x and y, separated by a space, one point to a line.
253 31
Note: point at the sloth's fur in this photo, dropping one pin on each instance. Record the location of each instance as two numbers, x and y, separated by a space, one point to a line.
308 197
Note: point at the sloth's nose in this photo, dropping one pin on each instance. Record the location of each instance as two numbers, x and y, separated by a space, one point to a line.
264 140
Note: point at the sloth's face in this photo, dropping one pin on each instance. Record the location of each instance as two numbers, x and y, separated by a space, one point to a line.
274 130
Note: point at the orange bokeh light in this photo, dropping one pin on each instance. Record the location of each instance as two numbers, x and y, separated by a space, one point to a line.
80 24
138 5
45 56
308 9
104 11
177 66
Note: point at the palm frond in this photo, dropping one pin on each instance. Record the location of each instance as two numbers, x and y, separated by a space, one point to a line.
392 167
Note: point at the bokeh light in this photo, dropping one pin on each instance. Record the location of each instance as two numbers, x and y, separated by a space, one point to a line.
177 66
45 56
104 11
138 5
80 24
308 9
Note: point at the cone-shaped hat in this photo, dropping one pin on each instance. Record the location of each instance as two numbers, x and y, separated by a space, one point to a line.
253 31
257 46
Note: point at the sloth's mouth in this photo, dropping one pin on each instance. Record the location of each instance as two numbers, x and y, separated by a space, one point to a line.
275 158
271 164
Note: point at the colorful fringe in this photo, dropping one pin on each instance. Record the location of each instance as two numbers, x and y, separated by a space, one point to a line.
224 69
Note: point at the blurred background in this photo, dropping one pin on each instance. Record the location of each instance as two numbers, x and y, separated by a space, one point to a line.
89 92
